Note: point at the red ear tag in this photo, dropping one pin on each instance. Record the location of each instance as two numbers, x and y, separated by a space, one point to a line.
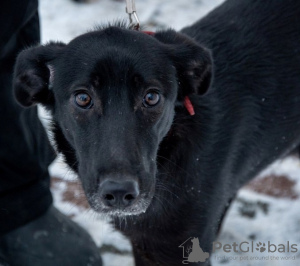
188 105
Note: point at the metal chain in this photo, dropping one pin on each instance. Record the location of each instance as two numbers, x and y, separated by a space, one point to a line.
133 18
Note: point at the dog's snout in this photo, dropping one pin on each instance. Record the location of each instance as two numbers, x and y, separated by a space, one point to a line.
118 193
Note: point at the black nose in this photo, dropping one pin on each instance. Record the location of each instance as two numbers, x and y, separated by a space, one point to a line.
118 193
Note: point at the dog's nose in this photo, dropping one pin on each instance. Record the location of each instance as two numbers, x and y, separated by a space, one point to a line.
118 193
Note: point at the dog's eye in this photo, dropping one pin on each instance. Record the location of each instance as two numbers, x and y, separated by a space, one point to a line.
83 100
151 98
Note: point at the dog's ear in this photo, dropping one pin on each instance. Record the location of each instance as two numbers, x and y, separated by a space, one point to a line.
193 63
33 74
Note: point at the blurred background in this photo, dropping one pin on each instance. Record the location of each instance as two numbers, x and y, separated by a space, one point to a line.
266 210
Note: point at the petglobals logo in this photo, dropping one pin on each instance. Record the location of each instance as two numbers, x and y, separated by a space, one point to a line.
192 251
250 247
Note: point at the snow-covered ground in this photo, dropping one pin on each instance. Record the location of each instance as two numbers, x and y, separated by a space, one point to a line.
265 212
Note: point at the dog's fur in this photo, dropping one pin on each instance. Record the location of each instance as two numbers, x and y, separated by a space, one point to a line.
188 168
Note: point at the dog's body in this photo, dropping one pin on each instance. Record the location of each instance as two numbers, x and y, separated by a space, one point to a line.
179 172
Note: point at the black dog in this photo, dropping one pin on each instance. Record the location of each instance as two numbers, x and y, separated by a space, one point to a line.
122 103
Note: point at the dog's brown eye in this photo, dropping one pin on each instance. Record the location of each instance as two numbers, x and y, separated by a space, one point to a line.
151 99
83 100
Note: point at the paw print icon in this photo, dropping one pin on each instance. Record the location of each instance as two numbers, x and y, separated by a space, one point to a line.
261 247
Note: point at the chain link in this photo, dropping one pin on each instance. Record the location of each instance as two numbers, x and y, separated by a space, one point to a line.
133 18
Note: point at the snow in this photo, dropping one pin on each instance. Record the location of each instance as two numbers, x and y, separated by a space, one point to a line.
64 19
253 216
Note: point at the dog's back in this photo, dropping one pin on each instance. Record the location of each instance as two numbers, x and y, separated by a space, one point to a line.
256 53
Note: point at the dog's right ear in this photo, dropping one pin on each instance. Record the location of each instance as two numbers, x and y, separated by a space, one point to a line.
33 74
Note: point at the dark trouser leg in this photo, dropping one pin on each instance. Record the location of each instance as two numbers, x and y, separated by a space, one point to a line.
25 152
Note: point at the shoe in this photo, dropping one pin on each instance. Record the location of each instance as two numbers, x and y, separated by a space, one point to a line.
50 240
3 260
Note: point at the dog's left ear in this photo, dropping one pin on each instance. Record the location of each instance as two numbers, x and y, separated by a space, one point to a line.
33 74
192 62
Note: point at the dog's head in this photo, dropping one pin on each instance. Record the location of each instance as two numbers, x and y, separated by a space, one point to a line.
112 94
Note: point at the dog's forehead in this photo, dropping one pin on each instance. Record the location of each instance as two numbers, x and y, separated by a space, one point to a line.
113 54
